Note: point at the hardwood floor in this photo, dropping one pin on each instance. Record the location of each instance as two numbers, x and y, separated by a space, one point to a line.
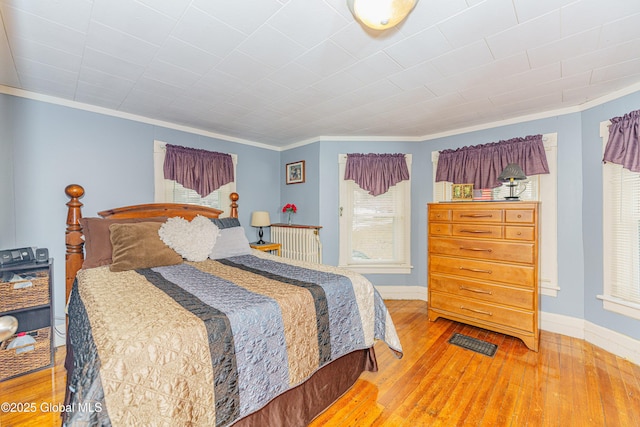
567 383
38 393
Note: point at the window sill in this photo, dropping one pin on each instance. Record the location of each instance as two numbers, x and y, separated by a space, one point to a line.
548 289
379 269
620 306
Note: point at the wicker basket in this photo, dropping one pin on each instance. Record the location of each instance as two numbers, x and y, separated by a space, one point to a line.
15 297
13 363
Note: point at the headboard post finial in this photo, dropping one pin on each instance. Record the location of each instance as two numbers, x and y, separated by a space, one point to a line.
234 206
74 255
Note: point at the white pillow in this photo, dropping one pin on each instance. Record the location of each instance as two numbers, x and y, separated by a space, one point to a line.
230 242
193 240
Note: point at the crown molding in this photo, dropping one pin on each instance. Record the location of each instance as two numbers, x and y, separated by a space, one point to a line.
7 90
521 119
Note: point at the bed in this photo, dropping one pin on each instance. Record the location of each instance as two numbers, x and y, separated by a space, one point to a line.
245 338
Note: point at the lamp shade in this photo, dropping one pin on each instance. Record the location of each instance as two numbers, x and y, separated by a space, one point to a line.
381 14
260 219
512 172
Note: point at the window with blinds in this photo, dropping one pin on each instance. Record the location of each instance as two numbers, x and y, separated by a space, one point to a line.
621 238
375 230
169 191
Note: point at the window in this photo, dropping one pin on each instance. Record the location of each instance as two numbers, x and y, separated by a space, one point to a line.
621 236
375 231
169 191
542 188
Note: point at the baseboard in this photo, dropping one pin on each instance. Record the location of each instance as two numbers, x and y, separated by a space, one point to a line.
614 342
59 338
561 324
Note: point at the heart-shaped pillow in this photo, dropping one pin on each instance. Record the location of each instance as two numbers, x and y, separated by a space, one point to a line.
193 240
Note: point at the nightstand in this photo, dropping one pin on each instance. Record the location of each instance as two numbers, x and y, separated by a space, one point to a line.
267 247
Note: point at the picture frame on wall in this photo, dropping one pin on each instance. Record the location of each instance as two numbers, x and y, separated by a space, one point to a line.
461 192
295 172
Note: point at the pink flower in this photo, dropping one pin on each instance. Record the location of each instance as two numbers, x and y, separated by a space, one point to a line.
289 207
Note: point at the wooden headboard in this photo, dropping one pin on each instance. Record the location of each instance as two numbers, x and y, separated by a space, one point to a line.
74 240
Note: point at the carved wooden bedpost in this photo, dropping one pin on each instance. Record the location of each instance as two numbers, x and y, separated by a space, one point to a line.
73 236
234 206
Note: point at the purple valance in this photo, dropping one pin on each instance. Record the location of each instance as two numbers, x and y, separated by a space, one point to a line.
376 173
199 170
623 147
481 165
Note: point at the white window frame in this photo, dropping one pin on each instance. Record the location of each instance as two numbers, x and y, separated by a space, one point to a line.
548 196
163 188
610 302
402 267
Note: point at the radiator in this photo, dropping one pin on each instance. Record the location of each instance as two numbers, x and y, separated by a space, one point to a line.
301 242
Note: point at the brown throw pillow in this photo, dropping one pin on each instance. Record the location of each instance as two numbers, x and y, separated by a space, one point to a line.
138 245
97 244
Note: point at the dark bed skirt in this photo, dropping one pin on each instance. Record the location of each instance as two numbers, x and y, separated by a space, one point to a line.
300 405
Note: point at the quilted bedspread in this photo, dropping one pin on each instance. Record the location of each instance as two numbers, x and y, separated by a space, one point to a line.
207 343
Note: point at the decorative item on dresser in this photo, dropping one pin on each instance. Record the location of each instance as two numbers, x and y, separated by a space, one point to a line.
512 173
25 296
483 266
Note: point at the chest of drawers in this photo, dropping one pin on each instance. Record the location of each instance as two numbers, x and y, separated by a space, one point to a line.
483 266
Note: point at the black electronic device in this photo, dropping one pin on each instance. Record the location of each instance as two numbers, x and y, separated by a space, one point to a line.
42 255
16 256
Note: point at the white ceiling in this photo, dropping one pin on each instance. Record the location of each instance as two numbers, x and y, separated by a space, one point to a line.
281 72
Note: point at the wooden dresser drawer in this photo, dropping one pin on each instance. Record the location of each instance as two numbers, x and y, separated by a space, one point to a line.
484 312
439 229
483 249
519 215
512 274
439 215
477 215
481 231
512 232
483 291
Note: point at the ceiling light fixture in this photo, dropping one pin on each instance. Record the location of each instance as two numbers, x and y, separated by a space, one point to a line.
381 14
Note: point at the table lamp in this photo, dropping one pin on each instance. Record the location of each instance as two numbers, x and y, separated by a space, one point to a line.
260 219
512 173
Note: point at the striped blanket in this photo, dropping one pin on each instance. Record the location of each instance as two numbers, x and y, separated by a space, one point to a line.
207 343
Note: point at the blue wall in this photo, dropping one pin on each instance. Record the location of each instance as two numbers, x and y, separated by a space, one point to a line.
304 195
7 211
44 147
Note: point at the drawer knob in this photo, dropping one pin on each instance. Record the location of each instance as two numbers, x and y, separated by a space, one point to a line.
519 216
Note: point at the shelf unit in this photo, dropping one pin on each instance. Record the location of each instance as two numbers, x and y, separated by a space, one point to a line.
26 294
